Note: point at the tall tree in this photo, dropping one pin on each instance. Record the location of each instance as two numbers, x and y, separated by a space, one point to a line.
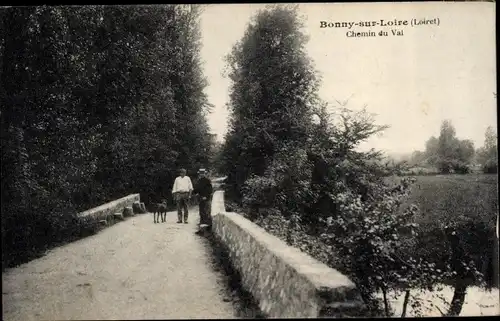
189 83
273 89
96 102
431 150
453 153
446 144
487 156
465 151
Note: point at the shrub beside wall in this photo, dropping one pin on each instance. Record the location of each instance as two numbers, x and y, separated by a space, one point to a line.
38 233
285 281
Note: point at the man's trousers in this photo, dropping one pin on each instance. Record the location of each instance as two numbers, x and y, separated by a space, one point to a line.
182 206
205 215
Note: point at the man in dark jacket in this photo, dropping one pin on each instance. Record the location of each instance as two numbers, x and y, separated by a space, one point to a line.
204 190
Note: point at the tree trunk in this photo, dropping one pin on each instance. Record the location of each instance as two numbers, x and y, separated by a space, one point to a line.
496 259
405 303
289 233
370 302
386 303
457 255
458 298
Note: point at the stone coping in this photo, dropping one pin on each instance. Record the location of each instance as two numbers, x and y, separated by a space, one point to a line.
111 207
284 280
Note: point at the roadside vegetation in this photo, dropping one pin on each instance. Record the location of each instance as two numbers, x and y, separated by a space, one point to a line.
293 166
97 102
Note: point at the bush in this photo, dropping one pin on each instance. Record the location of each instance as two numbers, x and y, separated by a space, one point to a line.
376 242
284 186
67 152
27 235
419 171
490 167
344 208
468 205
454 166
274 222
259 191
464 243
462 168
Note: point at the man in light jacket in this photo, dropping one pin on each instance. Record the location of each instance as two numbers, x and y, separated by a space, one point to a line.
182 193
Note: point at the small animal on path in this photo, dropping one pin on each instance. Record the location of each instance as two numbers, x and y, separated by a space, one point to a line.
160 211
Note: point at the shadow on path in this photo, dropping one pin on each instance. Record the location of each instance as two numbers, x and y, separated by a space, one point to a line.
245 305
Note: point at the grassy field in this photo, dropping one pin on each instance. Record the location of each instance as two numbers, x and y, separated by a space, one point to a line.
473 196
445 200
446 197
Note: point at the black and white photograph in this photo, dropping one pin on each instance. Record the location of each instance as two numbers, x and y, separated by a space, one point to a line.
249 161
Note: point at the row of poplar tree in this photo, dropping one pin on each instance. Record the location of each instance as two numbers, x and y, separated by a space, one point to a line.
96 102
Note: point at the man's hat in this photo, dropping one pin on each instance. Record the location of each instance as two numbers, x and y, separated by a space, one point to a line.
201 171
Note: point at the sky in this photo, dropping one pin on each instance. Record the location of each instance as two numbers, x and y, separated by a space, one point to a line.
411 82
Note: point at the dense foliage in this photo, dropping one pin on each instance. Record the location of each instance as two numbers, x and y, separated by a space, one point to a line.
447 153
487 155
307 181
97 102
270 98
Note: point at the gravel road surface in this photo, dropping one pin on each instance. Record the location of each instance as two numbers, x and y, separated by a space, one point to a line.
132 270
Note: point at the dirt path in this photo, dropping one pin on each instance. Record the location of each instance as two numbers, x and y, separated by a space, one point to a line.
132 270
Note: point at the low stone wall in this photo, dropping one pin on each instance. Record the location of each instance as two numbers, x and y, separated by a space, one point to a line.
108 209
285 281
217 205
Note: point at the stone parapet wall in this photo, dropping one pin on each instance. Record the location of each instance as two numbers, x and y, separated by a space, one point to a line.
108 209
285 281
